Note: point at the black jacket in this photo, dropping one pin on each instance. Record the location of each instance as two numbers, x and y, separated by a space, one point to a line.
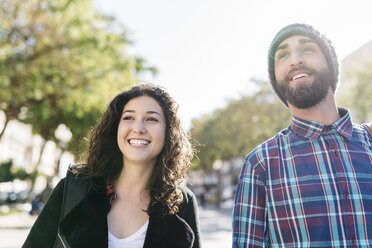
85 222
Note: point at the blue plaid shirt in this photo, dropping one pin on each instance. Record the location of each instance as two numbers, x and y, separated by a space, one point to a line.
309 186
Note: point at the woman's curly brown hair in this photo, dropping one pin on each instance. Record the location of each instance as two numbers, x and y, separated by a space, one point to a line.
104 160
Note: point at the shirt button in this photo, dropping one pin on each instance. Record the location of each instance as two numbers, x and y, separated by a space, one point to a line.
336 154
346 195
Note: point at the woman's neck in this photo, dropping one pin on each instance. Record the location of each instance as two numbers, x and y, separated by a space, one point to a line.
133 179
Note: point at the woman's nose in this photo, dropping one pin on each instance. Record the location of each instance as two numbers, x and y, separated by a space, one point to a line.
139 127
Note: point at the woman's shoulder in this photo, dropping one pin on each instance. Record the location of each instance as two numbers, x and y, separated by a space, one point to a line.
76 169
188 195
71 174
79 174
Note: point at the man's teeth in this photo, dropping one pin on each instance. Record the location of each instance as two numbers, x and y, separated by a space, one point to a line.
138 142
299 76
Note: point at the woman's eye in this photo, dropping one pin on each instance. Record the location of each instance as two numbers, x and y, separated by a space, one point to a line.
152 119
127 118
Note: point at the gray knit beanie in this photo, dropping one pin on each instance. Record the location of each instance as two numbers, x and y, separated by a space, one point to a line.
323 42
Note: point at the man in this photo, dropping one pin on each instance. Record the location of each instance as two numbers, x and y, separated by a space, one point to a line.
311 184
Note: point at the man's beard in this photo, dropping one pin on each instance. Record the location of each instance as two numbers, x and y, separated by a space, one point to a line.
306 95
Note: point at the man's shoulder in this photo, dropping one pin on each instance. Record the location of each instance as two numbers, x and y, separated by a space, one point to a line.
265 151
272 143
361 128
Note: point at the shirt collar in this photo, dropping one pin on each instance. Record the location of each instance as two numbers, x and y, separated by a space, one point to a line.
110 193
313 129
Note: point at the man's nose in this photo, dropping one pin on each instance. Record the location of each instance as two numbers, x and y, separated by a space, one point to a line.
296 59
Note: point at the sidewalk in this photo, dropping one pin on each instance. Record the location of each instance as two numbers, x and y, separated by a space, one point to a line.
17 221
216 227
14 229
20 220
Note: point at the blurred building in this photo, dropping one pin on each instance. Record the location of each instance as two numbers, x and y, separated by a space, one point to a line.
358 57
23 148
218 184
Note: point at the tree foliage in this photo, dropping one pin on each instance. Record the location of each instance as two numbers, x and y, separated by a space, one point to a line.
358 97
60 62
6 174
239 127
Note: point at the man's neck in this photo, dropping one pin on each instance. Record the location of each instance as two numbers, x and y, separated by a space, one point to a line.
324 112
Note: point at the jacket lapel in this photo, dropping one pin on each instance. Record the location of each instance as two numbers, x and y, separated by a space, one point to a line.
86 223
168 231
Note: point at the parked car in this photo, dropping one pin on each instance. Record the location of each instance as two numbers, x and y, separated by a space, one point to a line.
3 197
22 195
12 197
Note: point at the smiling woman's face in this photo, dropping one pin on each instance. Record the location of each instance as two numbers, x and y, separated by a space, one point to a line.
141 131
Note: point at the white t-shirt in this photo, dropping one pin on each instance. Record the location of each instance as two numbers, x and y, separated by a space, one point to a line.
136 240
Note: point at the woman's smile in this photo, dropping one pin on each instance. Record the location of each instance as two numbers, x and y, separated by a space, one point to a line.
139 142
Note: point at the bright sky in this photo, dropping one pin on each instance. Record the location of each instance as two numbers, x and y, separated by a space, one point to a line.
208 50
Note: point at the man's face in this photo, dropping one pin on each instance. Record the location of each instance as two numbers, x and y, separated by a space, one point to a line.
301 71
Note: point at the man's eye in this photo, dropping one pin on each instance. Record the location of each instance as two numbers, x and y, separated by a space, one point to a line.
283 55
308 49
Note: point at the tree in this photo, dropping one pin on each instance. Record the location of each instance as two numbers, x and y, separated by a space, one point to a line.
21 174
358 97
6 174
60 62
55 50
240 126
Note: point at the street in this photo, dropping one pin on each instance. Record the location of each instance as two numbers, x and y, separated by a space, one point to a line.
12 238
215 228
216 231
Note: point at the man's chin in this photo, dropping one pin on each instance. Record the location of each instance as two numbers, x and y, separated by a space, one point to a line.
302 105
305 97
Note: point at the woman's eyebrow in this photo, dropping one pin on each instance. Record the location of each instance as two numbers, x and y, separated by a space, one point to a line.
128 110
152 112
148 112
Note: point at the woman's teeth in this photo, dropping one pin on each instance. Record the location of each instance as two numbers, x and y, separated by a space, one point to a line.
138 142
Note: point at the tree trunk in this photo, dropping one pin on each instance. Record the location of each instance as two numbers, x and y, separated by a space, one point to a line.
35 171
57 163
5 125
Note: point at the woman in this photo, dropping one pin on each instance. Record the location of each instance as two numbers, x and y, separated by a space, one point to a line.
130 190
